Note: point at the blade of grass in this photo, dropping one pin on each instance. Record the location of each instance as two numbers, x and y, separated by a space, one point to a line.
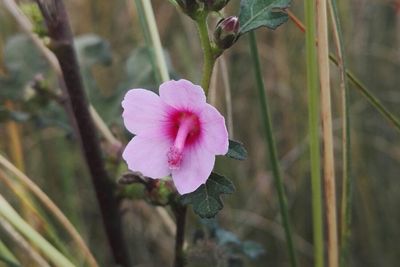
271 149
27 249
8 213
30 209
26 181
313 128
327 134
146 34
347 183
7 256
375 102
228 95
152 39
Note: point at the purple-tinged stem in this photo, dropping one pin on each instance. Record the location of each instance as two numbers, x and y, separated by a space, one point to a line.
59 31
180 214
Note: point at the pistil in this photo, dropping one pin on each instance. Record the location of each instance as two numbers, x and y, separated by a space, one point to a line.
186 126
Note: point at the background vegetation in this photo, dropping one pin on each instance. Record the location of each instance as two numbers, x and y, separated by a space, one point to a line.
114 58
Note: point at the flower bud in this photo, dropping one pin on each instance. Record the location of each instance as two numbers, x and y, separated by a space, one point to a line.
189 7
214 5
226 32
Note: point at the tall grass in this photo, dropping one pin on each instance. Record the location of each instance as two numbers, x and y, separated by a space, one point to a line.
313 130
270 148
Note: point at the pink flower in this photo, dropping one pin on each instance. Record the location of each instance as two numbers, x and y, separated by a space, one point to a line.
177 134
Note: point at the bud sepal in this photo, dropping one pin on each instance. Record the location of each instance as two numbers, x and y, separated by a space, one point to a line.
226 32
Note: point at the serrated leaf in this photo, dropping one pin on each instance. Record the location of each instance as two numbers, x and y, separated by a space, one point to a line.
236 150
206 200
257 13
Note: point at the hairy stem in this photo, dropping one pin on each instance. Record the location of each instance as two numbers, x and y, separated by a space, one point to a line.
313 128
59 30
271 149
209 55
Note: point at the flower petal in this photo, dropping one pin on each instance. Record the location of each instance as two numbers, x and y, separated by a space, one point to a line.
148 155
196 167
143 111
214 133
182 94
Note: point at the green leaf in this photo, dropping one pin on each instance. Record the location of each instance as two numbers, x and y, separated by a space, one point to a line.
257 13
139 70
206 200
236 150
23 62
92 49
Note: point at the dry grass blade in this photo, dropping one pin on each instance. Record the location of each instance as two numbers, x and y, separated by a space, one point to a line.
228 95
26 181
48 250
23 244
326 118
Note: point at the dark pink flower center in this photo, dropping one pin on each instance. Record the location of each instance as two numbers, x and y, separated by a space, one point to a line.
184 130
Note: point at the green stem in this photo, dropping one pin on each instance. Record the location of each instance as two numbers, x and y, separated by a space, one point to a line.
313 104
209 54
271 149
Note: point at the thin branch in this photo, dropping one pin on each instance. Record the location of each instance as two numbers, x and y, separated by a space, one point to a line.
27 27
59 31
180 214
